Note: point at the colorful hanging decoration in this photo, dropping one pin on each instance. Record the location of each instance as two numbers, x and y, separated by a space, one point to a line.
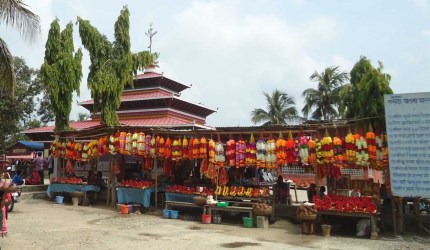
128 143
351 148
231 152
134 142
176 150
339 151
122 138
371 147
261 152
327 148
251 151
304 150
141 149
281 150
290 148
240 153
185 148
211 147
203 148
312 151
271 153
361 155
168 149
148 145
220 161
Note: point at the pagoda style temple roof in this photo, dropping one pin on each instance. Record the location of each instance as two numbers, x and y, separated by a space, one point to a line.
153 79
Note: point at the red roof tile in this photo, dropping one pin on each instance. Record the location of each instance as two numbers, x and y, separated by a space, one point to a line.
136 96
148 75
161 121
73 125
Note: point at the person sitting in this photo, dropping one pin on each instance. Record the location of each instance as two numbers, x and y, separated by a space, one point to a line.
91 178
34 178
322 192
17 179
99 180
312 191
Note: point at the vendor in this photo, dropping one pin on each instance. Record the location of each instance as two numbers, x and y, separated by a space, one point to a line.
91 178
100 181
312 191
34 178
282 190
322 192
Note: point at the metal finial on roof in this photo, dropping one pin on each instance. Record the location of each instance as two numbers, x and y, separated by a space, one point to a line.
150 33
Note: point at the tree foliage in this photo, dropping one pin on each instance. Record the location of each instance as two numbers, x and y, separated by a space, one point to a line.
324 101
19 113
281 109
14 13
364 96
61 72
112 65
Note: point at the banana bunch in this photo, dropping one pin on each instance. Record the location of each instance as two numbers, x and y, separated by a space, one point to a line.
218 190
248 192
225 191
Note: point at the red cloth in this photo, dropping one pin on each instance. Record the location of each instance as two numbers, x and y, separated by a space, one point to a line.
34 179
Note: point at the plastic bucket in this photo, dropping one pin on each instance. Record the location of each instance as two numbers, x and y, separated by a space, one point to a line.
124 209
166 214
59 199
75 201
326 230
216 219
206 218
248 222
173 214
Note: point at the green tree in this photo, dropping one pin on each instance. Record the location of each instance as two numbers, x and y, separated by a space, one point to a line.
364 96
61 72
83 117
18 114
112 65
14 13
280 110
324 101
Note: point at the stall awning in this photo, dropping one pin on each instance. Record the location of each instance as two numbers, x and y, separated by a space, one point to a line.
20 157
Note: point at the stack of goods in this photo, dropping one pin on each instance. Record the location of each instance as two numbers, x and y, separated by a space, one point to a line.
346 204
135 184
261 209
307 212
189 190
65 180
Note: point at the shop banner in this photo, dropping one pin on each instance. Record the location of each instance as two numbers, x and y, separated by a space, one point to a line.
408 129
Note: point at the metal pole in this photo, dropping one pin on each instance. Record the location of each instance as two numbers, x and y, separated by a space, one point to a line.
156 181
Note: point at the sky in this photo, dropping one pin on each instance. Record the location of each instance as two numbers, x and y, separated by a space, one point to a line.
231 51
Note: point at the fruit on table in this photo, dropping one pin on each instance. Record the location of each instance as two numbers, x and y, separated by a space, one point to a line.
225 191
233 191
307 210
218 190
240 191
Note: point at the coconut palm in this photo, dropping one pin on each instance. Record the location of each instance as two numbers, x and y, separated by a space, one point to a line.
280 109
15 13
323 101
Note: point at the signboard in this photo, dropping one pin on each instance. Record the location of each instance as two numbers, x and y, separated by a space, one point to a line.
408 129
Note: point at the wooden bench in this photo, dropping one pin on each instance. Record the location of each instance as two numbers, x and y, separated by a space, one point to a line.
248 210
170 204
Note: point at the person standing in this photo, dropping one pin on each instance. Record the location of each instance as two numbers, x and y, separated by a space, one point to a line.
50 165
38 164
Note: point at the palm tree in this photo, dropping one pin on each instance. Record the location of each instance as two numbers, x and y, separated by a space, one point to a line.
324 100
280 109
15 13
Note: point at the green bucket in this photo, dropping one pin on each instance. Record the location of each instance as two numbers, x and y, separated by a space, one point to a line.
248 222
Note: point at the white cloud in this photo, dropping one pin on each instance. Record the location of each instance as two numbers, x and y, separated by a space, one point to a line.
232 59
422 3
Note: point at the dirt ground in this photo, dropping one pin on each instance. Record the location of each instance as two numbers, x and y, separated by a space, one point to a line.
40 224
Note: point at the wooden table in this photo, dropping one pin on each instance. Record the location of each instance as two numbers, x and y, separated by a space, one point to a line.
372 217
248 210
250 201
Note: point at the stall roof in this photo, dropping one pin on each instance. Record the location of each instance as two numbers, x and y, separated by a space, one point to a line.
31 145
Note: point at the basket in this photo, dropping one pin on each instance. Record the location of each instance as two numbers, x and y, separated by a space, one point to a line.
199 200
307 217
263 211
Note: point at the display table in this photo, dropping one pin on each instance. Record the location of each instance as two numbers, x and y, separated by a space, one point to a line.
250 201
180 197
136 195
372 217
70 188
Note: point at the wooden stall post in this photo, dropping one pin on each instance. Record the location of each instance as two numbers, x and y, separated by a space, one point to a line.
400 215
156 181
394 214
417 212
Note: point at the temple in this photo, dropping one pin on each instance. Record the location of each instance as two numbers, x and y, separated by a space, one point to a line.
153 101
